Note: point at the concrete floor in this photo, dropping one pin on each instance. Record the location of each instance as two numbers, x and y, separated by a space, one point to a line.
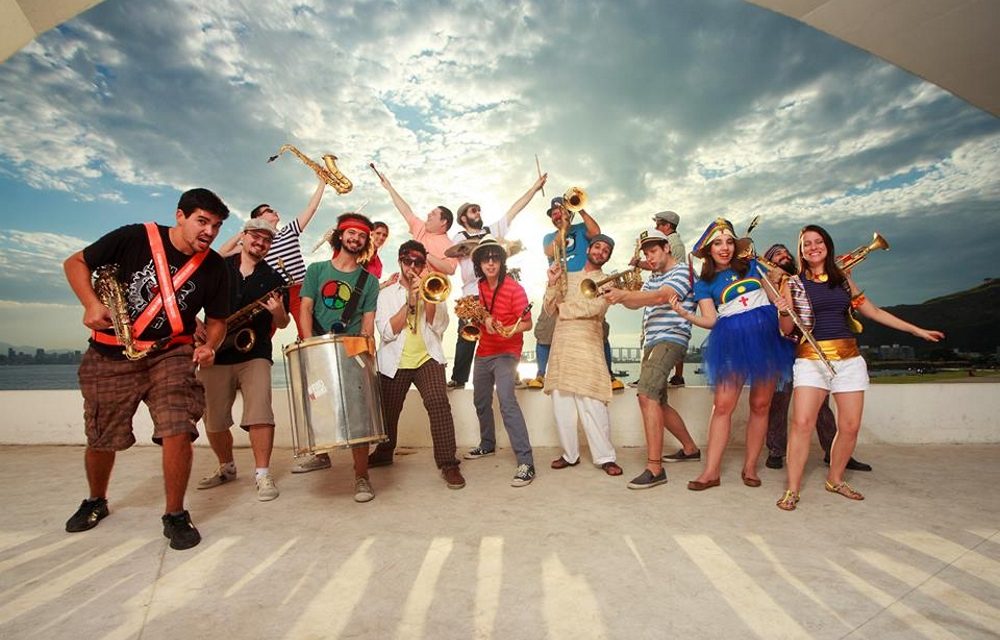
574 555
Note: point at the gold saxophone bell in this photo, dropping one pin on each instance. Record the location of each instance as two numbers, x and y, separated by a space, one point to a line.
329 174
470 333
434 287
244 340
574 199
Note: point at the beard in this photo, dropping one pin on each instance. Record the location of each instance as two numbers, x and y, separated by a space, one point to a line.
789 267
476 224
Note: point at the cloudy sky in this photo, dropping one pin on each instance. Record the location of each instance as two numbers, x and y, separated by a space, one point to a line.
705 107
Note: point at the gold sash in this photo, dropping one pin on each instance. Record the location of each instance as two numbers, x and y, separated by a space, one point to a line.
840 349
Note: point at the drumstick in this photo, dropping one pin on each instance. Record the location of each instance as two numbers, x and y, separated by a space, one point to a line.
537 166
372 165
363 205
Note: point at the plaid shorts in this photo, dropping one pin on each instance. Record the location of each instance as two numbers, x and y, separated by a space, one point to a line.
112 390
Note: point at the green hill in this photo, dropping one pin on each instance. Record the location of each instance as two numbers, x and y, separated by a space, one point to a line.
970 320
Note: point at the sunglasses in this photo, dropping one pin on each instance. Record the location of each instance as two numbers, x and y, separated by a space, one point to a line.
413 262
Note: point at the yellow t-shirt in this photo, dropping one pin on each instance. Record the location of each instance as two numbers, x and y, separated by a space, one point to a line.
414 348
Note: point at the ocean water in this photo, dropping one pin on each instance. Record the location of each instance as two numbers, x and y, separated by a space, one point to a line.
63 376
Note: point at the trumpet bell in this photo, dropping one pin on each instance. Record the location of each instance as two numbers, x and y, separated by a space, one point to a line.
878 242
434 287
574 199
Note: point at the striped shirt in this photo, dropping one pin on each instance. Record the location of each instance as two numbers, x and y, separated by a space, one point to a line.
660 322
286 248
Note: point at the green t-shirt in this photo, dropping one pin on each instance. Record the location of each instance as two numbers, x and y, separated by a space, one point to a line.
330 290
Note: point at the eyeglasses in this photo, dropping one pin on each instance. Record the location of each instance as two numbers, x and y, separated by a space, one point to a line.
413 262
490 259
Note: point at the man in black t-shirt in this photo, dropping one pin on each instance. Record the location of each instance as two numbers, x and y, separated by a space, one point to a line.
244 360
165 275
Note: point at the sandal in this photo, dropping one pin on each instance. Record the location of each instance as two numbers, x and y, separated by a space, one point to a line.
789 501
611 469
845 490
562 463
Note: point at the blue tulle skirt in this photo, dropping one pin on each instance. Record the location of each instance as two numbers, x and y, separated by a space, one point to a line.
747 348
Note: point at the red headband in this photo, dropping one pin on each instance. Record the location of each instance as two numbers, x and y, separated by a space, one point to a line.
354 223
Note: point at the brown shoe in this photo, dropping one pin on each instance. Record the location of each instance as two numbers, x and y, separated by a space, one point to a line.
560 463
453 477
694 485
748 481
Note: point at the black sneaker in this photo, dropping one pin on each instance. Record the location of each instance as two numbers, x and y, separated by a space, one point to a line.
478 452
852 464
523 475
455 385
646 479
775 462
88 515
180 530
680 456
676 381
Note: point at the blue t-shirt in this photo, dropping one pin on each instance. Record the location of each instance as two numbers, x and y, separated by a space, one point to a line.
576 246
727 285
660 322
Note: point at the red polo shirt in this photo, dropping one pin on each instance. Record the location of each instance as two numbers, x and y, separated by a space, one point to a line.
506 308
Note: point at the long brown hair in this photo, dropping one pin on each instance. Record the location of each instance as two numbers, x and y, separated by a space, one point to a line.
835 277
737 264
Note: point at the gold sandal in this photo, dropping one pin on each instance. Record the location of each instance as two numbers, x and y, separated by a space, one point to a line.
845 490
788 501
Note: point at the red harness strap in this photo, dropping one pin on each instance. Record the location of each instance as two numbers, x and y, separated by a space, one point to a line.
166 298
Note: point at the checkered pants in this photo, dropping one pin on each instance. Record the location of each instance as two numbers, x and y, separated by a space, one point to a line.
430 382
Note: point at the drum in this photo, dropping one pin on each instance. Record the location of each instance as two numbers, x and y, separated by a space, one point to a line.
333 393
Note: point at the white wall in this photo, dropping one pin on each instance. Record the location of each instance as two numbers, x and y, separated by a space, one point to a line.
895 414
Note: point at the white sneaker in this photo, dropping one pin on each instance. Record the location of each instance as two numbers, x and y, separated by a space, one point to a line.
311 462
266 489
220 476
363 490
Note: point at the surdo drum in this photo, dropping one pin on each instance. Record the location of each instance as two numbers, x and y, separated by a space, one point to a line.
333 392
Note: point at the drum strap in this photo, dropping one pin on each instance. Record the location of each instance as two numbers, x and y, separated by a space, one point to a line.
352 305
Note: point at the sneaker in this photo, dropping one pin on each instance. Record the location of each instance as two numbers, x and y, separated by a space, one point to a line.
180 530
453 477
537 382
363 490
88 515
616 384
520 384
775 462
478 452
523 476
221 476
634 384
676 381
680 456
646 479
266 489
311 462
455 385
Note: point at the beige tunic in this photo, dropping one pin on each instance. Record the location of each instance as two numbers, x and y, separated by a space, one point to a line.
576 360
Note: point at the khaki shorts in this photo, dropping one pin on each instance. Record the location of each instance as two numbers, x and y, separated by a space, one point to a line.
658 361
112 390
252 378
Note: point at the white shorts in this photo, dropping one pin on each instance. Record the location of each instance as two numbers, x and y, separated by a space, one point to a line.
852 375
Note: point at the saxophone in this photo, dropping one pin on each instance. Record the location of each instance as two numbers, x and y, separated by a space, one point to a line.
239 335
329 174
109 290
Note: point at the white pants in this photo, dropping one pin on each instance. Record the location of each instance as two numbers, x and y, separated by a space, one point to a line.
596 419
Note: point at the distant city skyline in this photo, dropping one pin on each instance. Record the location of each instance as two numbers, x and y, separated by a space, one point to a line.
714 108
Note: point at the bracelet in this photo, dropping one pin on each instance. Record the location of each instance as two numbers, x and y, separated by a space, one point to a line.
784 312
858 300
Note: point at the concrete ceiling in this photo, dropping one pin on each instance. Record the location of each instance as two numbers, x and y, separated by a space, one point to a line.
952 43
947 42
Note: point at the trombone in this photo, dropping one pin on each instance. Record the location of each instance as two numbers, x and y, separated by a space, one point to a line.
434 287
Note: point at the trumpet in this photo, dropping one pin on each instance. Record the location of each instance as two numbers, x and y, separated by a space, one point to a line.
848 261
574 199
629 280
471 311
434 287
329 174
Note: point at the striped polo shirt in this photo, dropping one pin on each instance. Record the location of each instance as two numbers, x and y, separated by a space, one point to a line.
286 248
660 322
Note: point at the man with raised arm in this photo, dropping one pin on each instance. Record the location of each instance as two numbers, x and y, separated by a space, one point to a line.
285 247
166 276
470 219
432 233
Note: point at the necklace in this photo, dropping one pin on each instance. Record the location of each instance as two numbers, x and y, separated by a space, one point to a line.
817 278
